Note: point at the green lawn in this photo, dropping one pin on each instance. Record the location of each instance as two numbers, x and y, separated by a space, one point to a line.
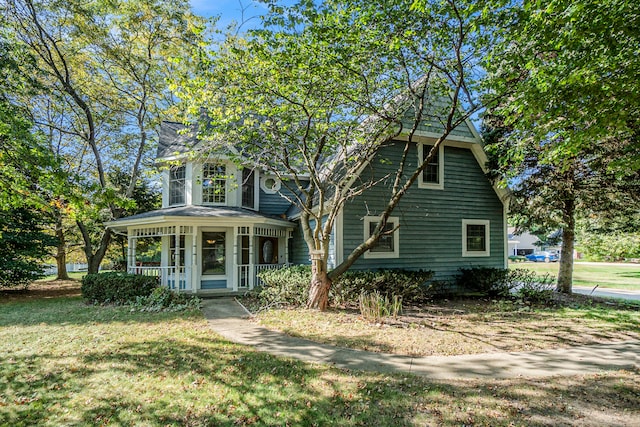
605 276
65 363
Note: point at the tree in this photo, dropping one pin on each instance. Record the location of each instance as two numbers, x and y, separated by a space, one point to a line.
570 125
105 81
23 246
312 95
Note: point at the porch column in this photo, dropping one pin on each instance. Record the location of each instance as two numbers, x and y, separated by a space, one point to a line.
252 263
131 253
195 274
176 259
235 274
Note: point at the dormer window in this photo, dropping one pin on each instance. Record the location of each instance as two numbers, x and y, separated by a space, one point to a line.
214 184
176 186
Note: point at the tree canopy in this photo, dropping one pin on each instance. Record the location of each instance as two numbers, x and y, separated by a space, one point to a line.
568 131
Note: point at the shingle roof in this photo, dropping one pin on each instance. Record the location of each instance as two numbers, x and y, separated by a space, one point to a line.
201 211
171 141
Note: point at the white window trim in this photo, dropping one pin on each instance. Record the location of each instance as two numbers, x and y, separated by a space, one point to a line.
396 238
430 185
184 187
276 186
487 235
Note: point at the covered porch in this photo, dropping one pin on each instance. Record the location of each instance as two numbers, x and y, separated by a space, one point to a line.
205 255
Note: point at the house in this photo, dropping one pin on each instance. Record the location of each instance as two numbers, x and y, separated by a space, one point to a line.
220 225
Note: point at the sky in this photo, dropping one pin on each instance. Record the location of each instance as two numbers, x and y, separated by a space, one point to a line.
229 11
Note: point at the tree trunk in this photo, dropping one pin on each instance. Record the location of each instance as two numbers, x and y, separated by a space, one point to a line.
320 285
61 253
94 258
565 274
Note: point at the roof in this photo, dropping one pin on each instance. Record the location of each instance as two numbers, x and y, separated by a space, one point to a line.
220 212
172 141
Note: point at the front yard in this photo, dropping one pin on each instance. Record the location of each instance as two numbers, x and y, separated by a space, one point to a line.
463 327
66 363
614 276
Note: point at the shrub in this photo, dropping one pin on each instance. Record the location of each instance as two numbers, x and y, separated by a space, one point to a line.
534 289
489 281
163 299
407 285
285 286
116 287
375 307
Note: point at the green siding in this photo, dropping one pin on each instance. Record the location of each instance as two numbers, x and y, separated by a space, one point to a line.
430 220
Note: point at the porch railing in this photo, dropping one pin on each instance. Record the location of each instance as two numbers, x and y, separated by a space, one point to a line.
248 274
175 278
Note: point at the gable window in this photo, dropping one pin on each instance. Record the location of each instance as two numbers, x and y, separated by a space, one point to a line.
176 185
214 184
475 238
388 245
433 175
248 188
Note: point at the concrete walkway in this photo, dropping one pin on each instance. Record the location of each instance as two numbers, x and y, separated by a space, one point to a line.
230 319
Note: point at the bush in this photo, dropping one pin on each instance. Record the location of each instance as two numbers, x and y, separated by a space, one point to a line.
534 289
116 287
286 286
163 299
407 285
489 281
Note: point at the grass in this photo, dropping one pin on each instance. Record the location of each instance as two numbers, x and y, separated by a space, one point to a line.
65 363
605 276
462 327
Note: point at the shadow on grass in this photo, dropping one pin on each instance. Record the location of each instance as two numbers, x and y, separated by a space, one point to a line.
72 311
212 382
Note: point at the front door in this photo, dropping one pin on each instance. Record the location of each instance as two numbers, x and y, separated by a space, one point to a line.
214 260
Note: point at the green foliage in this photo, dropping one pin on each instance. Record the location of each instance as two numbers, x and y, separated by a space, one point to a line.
286 286
410 286
117 288
489 281
23 247
609 247
375 307
534 289
290 286
164 299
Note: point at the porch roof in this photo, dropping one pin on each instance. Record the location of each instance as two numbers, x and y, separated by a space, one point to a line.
193 213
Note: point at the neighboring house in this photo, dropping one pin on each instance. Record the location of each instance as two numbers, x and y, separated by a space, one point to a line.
526 243
523 243
219 226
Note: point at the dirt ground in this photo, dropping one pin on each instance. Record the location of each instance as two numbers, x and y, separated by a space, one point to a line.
42 289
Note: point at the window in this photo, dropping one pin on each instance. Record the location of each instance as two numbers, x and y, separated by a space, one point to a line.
388 244
213 253
270 184
475 238
433 174
176 185
248 188
214 184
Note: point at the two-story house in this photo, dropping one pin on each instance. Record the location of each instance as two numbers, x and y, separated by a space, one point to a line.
220 225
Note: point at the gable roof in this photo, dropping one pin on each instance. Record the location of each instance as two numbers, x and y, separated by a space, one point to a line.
174 140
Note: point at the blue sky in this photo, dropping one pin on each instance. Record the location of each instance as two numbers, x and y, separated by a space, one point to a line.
229 10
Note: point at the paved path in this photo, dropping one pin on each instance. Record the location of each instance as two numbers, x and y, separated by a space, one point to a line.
628 294
230 319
